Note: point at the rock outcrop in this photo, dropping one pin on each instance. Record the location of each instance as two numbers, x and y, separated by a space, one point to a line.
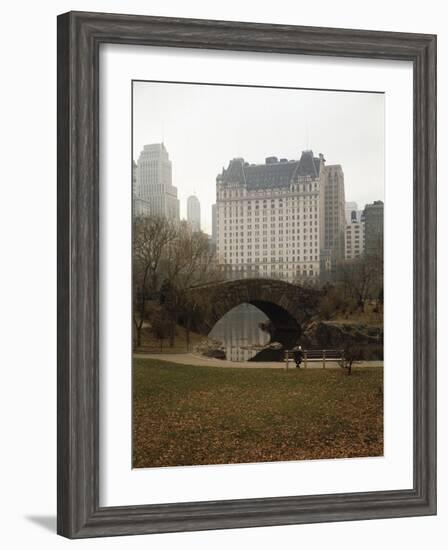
368 339
211 348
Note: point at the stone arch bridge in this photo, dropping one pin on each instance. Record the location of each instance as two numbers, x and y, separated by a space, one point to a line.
288 306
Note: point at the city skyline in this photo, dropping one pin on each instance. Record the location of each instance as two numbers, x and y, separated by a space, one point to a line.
203 127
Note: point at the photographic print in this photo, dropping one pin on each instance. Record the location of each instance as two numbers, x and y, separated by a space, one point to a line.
257 264
220 274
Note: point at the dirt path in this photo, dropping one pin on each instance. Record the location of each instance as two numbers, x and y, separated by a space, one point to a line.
200 361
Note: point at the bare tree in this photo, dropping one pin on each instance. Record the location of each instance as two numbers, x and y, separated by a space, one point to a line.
352 354
362 277
189 262
168 260
160 325
151 236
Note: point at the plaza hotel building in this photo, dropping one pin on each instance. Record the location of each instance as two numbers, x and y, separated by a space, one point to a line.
282 219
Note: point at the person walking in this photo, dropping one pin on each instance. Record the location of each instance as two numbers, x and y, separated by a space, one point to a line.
298 356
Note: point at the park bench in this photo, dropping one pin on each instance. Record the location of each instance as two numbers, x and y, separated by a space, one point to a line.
316 355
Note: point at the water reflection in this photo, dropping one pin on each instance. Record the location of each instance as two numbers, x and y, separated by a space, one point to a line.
240 332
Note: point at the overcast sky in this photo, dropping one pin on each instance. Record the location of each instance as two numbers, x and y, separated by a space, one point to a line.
205 126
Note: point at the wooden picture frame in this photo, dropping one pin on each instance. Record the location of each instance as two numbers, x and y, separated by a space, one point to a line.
79 38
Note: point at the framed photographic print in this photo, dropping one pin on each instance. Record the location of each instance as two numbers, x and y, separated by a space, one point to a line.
246 274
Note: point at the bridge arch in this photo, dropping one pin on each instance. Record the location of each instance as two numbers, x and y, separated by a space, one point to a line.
288 306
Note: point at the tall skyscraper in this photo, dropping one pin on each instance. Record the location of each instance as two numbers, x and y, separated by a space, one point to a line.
374 227
333 216
194 213
154 182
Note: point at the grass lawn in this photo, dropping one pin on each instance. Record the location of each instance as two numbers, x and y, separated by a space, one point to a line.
184 415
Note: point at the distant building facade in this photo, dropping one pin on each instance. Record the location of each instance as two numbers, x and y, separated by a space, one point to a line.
352 214
333 220
349 208
140 207
154 182
374 227
270 217
355 236
194 213
214 225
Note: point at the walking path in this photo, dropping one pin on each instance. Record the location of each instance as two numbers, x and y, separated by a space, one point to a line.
201 361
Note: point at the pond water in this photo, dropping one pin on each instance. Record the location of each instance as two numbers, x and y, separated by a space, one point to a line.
239 330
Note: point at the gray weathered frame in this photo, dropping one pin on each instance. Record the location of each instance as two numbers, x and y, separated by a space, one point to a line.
79 38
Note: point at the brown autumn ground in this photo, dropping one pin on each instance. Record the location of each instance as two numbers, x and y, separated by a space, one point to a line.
150 344
185 415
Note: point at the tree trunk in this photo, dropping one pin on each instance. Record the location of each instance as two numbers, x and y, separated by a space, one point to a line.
172 334
139 336
187 333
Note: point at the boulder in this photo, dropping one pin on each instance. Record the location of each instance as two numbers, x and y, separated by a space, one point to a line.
339 334
211 348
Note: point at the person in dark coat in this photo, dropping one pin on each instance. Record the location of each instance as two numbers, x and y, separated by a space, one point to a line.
298 356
